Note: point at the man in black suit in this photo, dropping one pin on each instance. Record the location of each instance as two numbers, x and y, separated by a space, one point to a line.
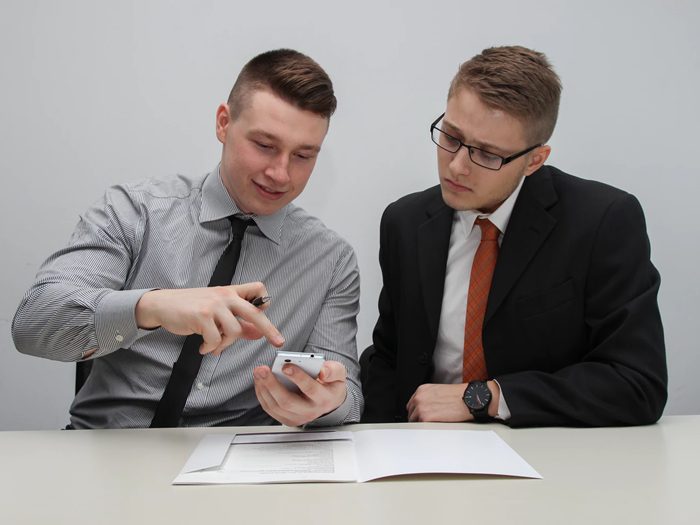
567 329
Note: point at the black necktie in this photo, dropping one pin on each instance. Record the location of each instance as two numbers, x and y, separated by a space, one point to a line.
186 368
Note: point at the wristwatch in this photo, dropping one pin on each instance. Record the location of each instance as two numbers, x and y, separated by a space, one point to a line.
477 397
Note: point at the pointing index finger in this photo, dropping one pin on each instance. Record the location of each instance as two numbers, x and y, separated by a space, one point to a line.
255 316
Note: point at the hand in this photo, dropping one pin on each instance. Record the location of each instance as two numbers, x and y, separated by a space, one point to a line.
445 403
317 397
220 314
432 402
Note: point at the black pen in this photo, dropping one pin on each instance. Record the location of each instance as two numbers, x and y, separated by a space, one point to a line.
259 301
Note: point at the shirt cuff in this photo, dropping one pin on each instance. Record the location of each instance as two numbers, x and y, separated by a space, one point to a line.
503 410
336 417
115 321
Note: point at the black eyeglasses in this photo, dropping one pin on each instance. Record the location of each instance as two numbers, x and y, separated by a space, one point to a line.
479 156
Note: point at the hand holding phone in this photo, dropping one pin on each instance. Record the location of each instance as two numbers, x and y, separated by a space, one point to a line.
309 363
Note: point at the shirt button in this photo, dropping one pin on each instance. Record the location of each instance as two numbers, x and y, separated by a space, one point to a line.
200 385
119 338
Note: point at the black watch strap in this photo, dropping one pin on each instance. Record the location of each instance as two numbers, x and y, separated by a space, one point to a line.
477 397
482 415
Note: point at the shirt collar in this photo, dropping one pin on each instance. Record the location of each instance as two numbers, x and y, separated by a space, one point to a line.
499 217
217 204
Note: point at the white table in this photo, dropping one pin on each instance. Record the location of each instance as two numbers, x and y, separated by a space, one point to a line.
611 475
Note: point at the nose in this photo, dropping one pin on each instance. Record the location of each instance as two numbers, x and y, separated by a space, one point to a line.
461 163
278 169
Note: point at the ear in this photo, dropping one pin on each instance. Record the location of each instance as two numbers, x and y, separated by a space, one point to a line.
537 158
223 119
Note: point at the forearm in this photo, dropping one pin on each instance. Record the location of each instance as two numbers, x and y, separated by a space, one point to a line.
344 351
63 322
78 306
584 394
350 410
334 335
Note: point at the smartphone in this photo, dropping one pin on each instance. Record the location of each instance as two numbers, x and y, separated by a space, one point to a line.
309 363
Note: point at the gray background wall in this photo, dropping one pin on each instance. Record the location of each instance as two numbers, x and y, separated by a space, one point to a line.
95 93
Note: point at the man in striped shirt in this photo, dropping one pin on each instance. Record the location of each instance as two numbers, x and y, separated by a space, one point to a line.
132 282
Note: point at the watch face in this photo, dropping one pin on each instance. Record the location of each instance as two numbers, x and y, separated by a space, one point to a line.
477 395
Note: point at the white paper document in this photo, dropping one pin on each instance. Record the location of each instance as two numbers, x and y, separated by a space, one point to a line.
361 456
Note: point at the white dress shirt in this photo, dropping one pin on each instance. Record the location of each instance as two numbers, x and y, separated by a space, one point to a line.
464 241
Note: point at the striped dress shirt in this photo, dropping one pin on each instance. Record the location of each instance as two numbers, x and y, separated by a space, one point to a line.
170 233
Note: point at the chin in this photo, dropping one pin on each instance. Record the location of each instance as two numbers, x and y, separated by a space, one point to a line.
455 202
268 208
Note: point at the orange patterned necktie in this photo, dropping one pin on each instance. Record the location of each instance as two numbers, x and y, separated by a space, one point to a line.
474 365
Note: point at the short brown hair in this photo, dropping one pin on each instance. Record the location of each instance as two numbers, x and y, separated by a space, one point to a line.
516 80
292 76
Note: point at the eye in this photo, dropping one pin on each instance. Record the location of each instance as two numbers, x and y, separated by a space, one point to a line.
262 145
485 156
450 142
304 156
446 138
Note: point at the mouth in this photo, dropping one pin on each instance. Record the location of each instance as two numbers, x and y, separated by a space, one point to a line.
268 192
453 186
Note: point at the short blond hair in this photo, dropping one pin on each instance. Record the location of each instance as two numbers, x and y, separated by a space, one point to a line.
518 81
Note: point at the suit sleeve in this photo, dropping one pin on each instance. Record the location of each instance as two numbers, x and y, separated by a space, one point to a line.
622 377
379 386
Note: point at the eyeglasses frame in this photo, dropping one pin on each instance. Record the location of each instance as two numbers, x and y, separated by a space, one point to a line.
468 147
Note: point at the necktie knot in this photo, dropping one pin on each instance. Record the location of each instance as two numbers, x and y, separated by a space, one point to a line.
489 231
239 225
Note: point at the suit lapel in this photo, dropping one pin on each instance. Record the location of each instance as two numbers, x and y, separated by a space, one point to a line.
528 227
433 238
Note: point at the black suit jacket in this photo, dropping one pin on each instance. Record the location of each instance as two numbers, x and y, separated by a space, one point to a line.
572 331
